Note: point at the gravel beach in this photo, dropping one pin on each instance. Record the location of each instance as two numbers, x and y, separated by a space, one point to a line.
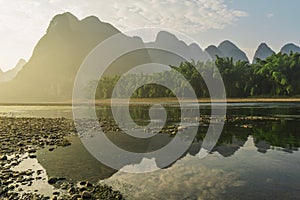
22 177
20 139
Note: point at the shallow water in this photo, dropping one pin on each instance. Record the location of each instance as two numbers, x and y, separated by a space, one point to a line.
41 185
260 161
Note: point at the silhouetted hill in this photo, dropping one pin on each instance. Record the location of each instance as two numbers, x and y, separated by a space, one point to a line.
229 49
288 48
11 74
263 51
50 72
213 51
168 40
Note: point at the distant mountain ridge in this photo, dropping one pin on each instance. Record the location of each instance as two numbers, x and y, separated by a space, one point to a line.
49 74
263 51
11 74
214 52
227 49
231 50
288 48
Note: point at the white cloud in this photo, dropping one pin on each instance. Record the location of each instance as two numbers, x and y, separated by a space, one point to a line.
23 22
188 178
185 15
270 15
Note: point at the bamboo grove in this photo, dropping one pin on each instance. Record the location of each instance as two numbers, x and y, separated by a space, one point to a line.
276 76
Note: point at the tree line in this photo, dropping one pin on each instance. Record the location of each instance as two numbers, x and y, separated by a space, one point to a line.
276 76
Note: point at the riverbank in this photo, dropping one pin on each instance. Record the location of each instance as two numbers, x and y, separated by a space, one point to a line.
269 127
22 177
156 100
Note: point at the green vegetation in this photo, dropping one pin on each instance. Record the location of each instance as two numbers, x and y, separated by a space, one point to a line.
276 76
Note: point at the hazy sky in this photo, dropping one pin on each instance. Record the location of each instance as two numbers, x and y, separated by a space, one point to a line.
245 22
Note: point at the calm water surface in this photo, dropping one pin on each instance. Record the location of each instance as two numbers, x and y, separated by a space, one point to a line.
261 161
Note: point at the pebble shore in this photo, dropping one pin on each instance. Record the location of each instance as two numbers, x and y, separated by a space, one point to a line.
20 138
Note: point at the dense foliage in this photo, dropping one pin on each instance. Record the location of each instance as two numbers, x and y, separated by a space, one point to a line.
276 76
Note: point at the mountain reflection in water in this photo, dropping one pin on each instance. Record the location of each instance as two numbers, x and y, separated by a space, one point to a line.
252 158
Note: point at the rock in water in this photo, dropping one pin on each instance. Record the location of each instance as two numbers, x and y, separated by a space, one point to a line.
52 180
3 157
86 195
32 156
